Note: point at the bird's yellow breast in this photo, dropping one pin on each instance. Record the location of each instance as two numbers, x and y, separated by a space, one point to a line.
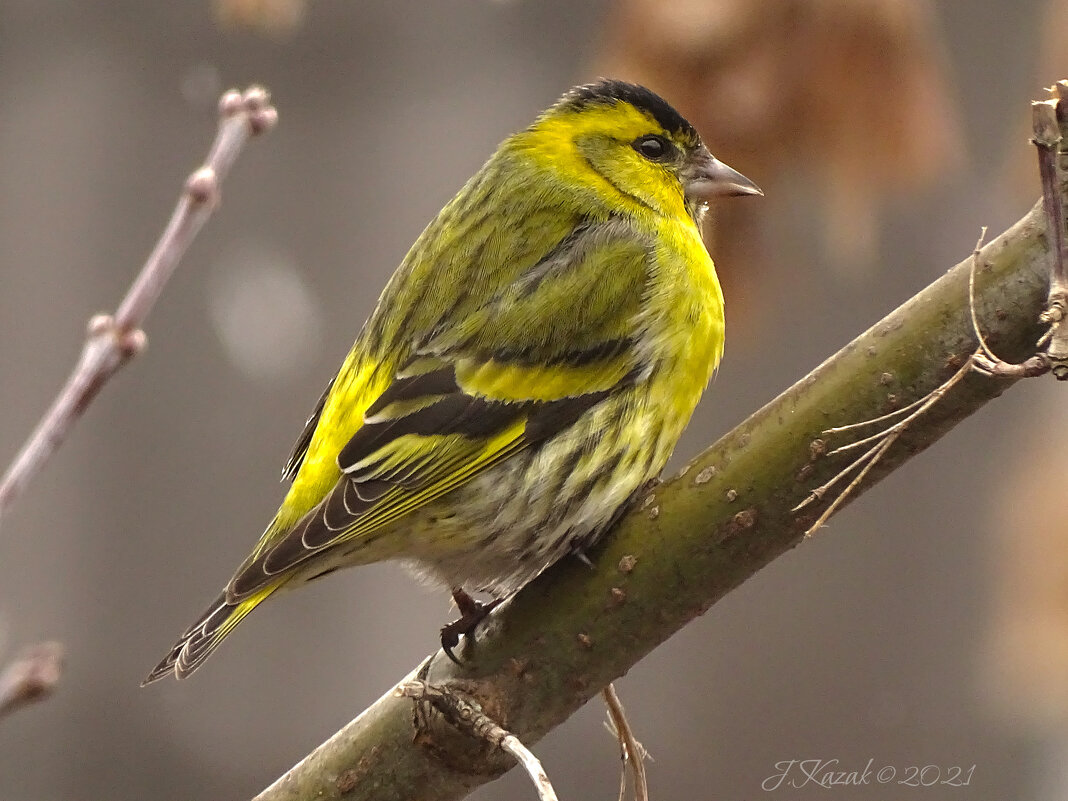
686 319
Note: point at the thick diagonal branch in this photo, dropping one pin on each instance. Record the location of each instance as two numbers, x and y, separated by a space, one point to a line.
696 537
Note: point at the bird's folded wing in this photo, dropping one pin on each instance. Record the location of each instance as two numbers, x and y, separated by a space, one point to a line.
517 370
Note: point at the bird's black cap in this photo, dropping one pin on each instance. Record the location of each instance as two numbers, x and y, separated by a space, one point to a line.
608 91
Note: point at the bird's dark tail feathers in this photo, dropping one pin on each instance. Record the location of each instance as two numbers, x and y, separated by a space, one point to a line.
204 636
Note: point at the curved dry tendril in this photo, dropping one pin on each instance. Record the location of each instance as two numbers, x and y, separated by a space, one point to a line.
883 439
971 296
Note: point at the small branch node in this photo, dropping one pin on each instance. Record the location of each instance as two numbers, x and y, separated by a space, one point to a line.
263 120
100 325
132 343
256 98
1054 314
982 361
104 331
262 116
202 187
231 103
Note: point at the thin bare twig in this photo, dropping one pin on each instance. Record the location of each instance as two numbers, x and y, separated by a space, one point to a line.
818 493
884 440
113 340
632 751
31 677
868 460
875 420
466 716
982 361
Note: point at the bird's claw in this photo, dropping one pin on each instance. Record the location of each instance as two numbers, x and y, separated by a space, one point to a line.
472 613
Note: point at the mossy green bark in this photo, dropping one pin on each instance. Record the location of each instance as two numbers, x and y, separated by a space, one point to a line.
691 539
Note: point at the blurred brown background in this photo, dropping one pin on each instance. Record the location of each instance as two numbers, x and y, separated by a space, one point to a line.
872 640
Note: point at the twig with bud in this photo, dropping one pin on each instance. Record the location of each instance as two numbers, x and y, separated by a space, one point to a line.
113 340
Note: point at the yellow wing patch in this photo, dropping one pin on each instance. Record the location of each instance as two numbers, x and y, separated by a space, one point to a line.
539 382
450 466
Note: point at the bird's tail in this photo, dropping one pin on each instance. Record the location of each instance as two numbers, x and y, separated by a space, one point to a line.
204 636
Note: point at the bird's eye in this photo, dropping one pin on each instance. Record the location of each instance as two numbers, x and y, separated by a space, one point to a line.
654 148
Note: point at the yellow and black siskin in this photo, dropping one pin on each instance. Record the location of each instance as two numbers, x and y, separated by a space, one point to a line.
530 365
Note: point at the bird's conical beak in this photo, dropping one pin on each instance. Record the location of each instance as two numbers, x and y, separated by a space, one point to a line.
705 178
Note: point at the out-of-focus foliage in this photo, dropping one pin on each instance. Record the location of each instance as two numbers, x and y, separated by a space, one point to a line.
274 18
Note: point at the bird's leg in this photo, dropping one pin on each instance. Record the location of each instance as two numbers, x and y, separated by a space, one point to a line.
472 613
